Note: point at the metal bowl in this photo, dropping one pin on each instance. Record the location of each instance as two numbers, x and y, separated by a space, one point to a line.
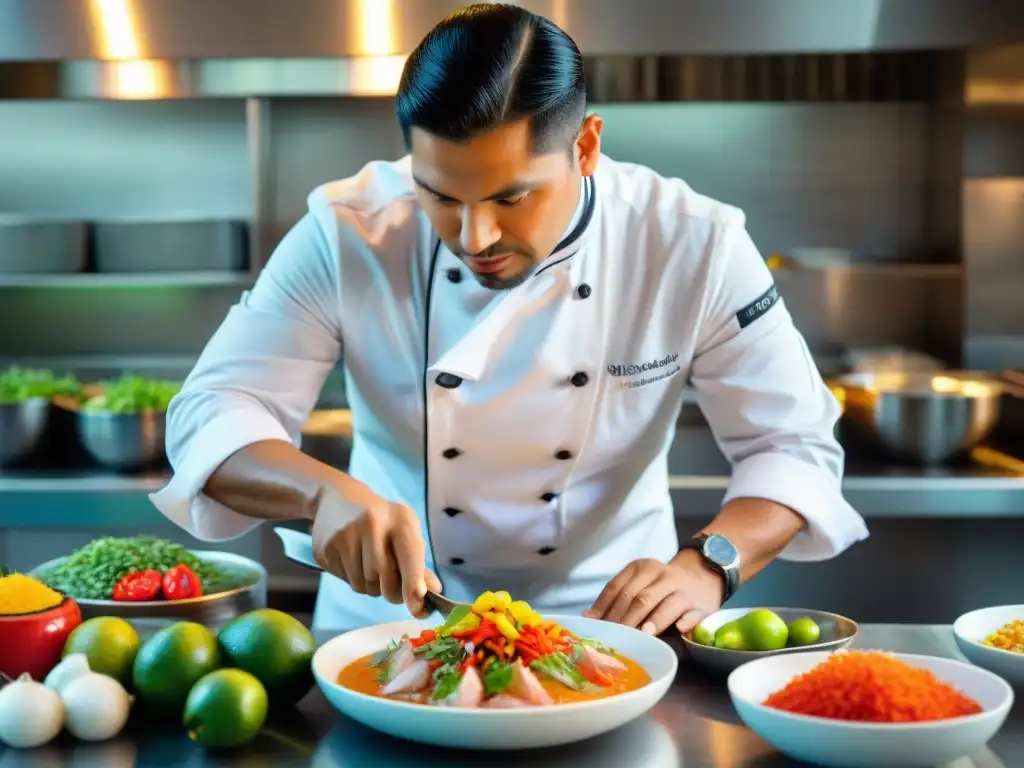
243 589
836 632
123 441
923 418
22 426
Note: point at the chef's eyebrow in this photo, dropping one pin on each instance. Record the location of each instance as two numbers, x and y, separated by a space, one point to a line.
514 189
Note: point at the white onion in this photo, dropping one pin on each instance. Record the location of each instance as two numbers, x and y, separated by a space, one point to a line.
70 668
30 713
96 707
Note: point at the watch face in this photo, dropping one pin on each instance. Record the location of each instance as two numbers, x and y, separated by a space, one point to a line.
720 550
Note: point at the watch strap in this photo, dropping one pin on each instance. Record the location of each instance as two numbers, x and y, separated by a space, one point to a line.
730 575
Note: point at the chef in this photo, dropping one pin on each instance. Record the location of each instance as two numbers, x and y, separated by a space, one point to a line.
520 318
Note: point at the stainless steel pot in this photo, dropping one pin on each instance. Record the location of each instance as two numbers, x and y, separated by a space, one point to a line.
22 426
123 441
925 418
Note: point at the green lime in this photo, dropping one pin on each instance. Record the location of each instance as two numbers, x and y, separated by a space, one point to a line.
225 709
171 662
703 635
109 643
276 648
804 631
763 630
729 637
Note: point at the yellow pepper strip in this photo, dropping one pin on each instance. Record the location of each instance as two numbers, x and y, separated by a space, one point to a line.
484 603
504 625
520 610
502 600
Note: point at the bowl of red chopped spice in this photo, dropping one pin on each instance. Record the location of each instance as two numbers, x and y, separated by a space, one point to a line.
869 708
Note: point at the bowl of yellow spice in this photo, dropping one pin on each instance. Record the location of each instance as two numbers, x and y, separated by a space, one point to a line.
993 638
35 622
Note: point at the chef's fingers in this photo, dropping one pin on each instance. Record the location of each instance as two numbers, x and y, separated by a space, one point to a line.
643 577
351 550
610 592
677 603
371 563
647 600
410 552
390 579
330 560
690 619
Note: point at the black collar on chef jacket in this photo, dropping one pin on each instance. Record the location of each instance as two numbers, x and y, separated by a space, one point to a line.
563 251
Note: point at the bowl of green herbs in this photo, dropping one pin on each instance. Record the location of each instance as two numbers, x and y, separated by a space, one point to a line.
123 426
27 397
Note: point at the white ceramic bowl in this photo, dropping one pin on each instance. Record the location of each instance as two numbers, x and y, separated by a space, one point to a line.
525 728
865 745
972 628
836 632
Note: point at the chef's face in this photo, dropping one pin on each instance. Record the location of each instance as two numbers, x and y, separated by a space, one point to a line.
498 205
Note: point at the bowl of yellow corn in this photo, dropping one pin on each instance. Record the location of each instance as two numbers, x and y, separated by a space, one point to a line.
993 639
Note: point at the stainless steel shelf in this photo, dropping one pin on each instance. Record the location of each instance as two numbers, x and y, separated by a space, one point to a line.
146 280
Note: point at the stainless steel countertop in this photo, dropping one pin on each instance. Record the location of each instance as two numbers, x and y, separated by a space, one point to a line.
693 726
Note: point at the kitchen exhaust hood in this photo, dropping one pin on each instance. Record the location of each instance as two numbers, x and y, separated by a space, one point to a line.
189 48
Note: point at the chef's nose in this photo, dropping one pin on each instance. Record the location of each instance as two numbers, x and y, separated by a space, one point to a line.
479 229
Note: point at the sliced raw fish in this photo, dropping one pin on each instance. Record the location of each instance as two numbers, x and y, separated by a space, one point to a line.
401 660
594 663
504 701
413 678
526 687
469 693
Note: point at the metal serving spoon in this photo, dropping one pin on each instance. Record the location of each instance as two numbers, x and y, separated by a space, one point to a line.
298 547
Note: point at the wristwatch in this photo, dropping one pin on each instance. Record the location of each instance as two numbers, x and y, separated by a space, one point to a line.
721 555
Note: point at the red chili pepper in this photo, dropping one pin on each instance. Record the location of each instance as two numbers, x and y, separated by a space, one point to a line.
181 583
138 586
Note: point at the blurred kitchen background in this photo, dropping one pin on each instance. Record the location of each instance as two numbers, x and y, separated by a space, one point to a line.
153 152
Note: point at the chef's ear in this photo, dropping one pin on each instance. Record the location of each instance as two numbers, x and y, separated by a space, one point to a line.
588 144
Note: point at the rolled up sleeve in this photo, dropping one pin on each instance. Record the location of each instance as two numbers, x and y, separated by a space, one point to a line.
771 413
258 378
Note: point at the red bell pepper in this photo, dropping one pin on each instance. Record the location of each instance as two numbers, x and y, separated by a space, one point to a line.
138 586
181 583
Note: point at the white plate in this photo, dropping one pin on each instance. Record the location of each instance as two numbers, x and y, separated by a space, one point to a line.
866 745
972 628
526 728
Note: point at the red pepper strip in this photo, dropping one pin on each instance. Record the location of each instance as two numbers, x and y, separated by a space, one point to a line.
486 631
494 648
181 583
138 586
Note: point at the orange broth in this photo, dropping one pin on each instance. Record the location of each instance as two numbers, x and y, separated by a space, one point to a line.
359 676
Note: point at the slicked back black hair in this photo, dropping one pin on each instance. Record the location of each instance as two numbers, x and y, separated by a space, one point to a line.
490 64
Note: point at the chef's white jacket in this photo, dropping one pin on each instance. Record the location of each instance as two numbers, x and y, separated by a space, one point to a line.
528 428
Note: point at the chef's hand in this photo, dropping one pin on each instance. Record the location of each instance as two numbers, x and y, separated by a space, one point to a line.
375 545
653 595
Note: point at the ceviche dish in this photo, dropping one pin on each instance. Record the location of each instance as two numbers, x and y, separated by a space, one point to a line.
497 654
